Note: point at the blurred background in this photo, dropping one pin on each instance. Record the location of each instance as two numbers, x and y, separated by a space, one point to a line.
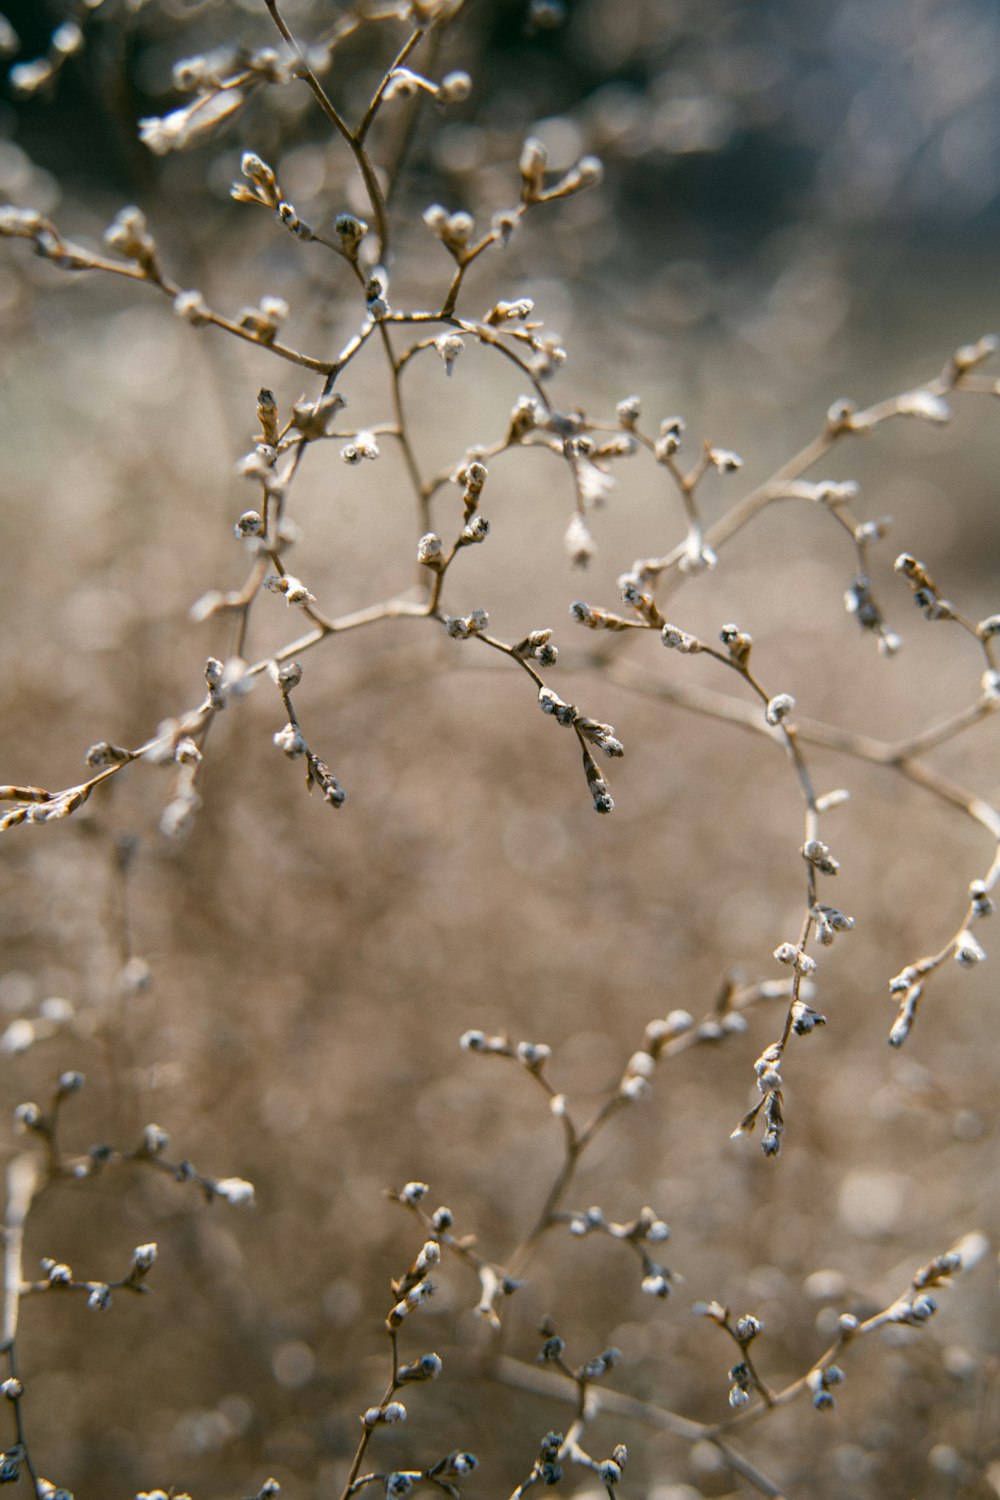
800 203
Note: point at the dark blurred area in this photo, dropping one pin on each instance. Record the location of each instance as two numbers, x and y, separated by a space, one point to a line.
731 117
800 201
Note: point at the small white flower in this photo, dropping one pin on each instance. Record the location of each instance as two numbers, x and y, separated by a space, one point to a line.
290 741
429 550
725 461
634 1088
779 707
191 306
967 950
449 346
926 404
235 1190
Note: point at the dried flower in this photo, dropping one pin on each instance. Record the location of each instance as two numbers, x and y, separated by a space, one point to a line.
235 1190
779 707
187 126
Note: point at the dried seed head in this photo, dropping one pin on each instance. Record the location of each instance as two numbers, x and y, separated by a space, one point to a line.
840 416
982 903
818 855
250 523
458 230
527 415
392 1411
192 307
128 234
105 754
350 231
364 445
532 164
290 741
454 88
461 627
427 1367
779 707
872 531
27 1116
551 703
449 346
904 980
435 216
459 1463
634 1087
429 551
263 322
264 184
235 1191
22 223
294 589
510 312
723 460
679 640
144 1257
967 951
375 296
923 1307
926 404
312 418
737 643
533 1055
154 1140
295 226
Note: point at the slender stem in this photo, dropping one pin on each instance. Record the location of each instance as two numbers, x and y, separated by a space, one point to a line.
361 157
409 457
369 115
